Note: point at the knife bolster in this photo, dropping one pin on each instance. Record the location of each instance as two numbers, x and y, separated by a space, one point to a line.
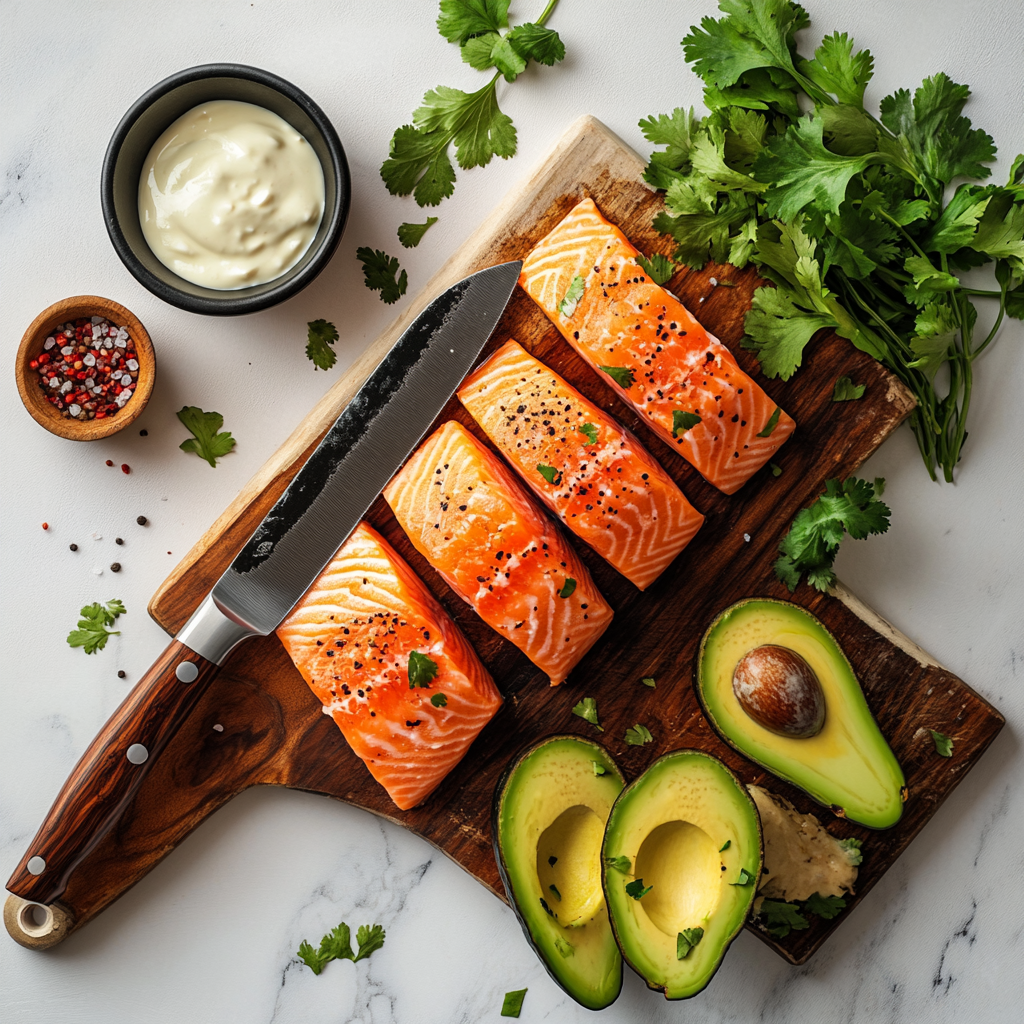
213 633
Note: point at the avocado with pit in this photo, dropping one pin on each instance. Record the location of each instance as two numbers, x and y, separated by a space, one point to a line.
681 860
778 688
550 809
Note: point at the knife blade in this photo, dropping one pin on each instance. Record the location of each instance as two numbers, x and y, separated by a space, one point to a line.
297 538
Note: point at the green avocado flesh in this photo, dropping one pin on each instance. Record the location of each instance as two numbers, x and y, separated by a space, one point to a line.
549 816
848 765
691 832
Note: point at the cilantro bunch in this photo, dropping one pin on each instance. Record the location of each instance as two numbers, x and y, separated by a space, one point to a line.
844 211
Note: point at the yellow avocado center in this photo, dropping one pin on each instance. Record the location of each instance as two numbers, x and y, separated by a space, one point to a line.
569 865
681 863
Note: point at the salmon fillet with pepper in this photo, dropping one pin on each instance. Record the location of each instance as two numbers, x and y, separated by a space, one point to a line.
390 667
644 342
584 465
472 520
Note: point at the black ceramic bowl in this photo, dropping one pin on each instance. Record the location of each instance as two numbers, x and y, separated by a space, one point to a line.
147 119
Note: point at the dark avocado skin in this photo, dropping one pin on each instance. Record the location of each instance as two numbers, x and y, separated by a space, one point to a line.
499 791
791 773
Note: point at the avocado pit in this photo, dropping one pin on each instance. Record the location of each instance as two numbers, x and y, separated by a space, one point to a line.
780 691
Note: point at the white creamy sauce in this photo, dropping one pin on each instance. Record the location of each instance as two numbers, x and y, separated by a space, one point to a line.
231 195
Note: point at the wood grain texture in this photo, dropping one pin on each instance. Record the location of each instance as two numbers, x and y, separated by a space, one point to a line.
275 734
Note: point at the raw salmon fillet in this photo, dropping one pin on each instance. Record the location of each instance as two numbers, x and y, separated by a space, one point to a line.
667 363
351 637
471 519
601 482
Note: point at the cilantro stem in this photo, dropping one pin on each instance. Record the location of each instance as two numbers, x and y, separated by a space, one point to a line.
995 327
910 241
552 4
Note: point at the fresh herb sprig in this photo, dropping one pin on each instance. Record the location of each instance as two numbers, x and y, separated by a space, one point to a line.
208 441
844 211
337 945
320 337
92 633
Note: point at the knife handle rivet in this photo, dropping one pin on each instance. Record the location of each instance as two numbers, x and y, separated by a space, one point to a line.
137 753
36 865
187 671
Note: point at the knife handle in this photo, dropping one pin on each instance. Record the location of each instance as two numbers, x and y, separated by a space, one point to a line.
106 777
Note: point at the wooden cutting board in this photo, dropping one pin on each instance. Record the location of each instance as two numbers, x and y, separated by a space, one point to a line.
275 734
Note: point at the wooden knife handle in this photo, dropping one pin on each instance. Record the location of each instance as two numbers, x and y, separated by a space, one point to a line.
104 781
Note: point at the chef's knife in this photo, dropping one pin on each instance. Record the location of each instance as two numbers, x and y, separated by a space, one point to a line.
298 537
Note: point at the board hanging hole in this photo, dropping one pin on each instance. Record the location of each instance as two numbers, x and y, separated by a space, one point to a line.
35 919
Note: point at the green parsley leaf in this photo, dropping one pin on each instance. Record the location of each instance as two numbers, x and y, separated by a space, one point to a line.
620 863
838 70
572 297
381 274
587 710
943 744
728 843
410 235
935 328
535 42
422 670
552 475
781 918
309 957
568 587
599 769
370 939
928 283
205 442
590 432
813 540
554 890
638 735
513 1002
744 878
637 889
320 335
846 391
565 949
826 907
853 851
686 940
773 422
92 633
622 375
776 470
336 945
658 268
460 20
649 681
439 700
683 421
478 51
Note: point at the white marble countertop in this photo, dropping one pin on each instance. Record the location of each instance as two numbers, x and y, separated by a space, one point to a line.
209 935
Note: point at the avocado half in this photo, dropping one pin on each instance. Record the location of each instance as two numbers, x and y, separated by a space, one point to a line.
550 809
848 765
689 830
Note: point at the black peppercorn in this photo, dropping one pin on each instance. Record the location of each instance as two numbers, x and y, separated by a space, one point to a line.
121 673
143 433
142 520
115 567
118 540
73 547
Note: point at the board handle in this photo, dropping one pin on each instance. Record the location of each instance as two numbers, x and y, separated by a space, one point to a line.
106 777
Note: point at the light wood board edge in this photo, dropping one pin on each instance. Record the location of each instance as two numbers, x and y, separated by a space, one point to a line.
588 143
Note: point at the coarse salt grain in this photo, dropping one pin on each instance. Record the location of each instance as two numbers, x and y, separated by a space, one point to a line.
48 344
89 359
218 727
67 350
97 570
74 409
746 537
132 364
714 281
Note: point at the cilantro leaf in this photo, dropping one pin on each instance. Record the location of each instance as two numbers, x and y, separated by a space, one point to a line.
535 42
587 710
421 670
370 939
552 475
637 889
853 851
686 940
934 330
599 769
589 431
813 540
205 442
943 744
649 681
620 863
439 700
622 375
683 421
773 422
776 470
675 132
460 20
321 334
92 633
310 958
512 1004
928 283
846 391
380 272
725 846
410 235
838 70
478 51
568 587
658 268
572 297
781 918
743 878
825 907
638 735
336 945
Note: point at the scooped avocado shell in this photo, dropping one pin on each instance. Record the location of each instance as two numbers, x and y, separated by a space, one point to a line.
550 809
682 857
847 764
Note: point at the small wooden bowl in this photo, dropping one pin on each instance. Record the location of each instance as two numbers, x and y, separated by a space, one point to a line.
33 396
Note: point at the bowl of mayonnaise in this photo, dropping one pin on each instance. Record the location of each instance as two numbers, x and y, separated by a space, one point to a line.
225 189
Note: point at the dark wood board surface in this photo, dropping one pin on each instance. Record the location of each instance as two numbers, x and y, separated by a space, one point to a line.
275 734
